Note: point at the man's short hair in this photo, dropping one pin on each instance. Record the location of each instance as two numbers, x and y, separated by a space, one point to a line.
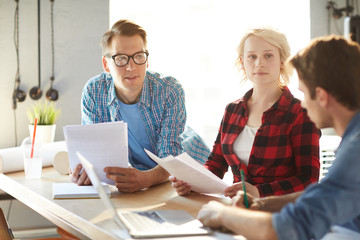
122 28
332 63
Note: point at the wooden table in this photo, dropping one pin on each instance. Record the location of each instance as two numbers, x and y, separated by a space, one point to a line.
87 218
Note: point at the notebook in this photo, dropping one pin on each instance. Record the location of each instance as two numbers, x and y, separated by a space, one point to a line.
71 190
147 224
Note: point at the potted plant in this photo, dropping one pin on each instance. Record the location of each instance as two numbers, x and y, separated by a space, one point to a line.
47 115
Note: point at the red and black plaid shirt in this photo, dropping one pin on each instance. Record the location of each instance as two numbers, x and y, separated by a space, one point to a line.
285 153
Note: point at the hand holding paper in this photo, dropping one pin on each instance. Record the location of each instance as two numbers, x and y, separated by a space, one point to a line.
185 168
104 144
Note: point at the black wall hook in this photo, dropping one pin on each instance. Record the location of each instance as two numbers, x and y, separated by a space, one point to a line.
52 94
35 93
18 94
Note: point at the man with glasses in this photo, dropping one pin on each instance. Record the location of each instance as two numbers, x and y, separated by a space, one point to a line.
151 104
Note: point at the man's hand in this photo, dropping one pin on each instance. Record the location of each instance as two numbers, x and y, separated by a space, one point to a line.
267 204
181 187
254 203
80 178
250 224
210 214
128 180
250 189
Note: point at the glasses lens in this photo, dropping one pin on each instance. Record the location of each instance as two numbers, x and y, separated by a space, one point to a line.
121 60
140 58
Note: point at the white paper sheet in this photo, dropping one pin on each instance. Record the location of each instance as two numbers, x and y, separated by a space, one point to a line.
187 169
71 190
11 159
103 144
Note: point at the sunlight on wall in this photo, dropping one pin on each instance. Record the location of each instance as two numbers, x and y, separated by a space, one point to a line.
195 41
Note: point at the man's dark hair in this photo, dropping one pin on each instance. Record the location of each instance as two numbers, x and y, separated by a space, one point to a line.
333 63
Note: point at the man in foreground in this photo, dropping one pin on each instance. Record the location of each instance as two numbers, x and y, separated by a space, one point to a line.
329 77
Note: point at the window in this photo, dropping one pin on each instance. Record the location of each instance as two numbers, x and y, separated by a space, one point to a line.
202 37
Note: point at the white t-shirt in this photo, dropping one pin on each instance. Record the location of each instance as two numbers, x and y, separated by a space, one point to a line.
244 142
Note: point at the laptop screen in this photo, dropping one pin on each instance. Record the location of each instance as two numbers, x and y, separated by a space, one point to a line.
178 222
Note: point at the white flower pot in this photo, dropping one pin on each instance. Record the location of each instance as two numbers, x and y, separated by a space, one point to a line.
44 133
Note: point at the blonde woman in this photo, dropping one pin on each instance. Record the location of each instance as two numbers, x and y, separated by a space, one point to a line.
265 133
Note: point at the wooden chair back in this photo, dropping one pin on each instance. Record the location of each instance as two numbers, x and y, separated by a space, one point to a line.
5 231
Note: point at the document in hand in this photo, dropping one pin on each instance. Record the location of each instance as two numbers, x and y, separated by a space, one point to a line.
103 144
185 168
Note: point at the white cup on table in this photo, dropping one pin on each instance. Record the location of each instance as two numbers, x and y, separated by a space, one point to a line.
32 165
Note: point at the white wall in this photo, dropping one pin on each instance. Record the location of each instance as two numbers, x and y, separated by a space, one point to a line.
195 42
78 27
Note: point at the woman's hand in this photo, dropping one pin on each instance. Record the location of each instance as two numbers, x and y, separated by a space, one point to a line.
250 189
182 188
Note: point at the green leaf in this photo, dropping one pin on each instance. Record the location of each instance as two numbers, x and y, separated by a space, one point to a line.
46 113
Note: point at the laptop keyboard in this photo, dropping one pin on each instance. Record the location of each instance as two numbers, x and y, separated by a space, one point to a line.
146 221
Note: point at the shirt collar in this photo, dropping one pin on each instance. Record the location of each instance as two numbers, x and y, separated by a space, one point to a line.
111 89
145 97
284 100
354 123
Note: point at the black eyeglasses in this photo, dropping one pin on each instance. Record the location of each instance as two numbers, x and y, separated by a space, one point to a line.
139 58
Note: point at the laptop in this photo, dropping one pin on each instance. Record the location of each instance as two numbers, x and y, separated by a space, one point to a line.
146 224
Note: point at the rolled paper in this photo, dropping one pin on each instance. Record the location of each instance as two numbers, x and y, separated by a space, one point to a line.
61 163
11 159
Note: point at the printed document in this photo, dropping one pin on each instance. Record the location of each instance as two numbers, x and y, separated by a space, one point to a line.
185 168
103 144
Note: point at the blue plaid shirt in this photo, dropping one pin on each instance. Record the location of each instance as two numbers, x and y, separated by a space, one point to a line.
162 107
